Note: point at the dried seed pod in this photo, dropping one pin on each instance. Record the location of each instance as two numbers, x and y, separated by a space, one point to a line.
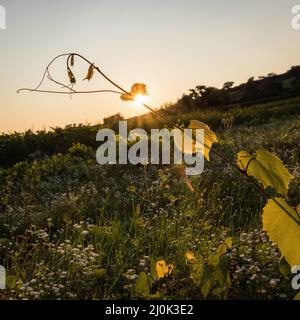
71 76
72 60
90 73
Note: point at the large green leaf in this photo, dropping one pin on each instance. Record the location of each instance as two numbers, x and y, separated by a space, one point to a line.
213 277
197 270
280 223
142 285
266 168
223 248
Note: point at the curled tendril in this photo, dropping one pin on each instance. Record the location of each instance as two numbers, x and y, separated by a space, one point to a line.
70 59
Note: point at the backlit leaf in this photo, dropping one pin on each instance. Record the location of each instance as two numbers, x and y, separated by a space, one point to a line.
266 168
139 88
136 89
127 97
223 248
282 229
209 136
162 269
190 256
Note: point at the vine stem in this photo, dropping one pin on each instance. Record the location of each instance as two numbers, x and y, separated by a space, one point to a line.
163 117
72 92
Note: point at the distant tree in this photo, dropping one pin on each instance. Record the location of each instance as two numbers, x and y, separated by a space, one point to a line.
294 72
193 94
201 89
252 90
228 85
186 103
113 119
212 97
203 97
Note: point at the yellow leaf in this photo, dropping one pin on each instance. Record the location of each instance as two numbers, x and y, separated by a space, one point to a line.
266 168
209 136
228 242
162 269
223 248
127 97
136 89
139 88
282 229
190 256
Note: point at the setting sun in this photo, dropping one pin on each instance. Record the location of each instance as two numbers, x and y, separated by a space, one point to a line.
140 100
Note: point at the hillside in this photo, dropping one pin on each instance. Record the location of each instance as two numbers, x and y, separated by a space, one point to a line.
30 145
73 229
263 90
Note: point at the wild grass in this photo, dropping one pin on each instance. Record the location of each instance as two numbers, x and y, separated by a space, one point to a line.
72 229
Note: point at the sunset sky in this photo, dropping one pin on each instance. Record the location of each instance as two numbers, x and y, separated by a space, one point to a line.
171 45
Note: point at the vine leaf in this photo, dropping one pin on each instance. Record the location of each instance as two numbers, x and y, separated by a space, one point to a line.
283 229
215 279
266 168
189 255
137 88
209 136
142 285
162 269
223 248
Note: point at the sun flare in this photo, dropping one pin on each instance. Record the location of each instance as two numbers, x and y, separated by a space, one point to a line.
140 100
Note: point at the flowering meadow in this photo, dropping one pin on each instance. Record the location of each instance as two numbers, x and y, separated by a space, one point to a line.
73 229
